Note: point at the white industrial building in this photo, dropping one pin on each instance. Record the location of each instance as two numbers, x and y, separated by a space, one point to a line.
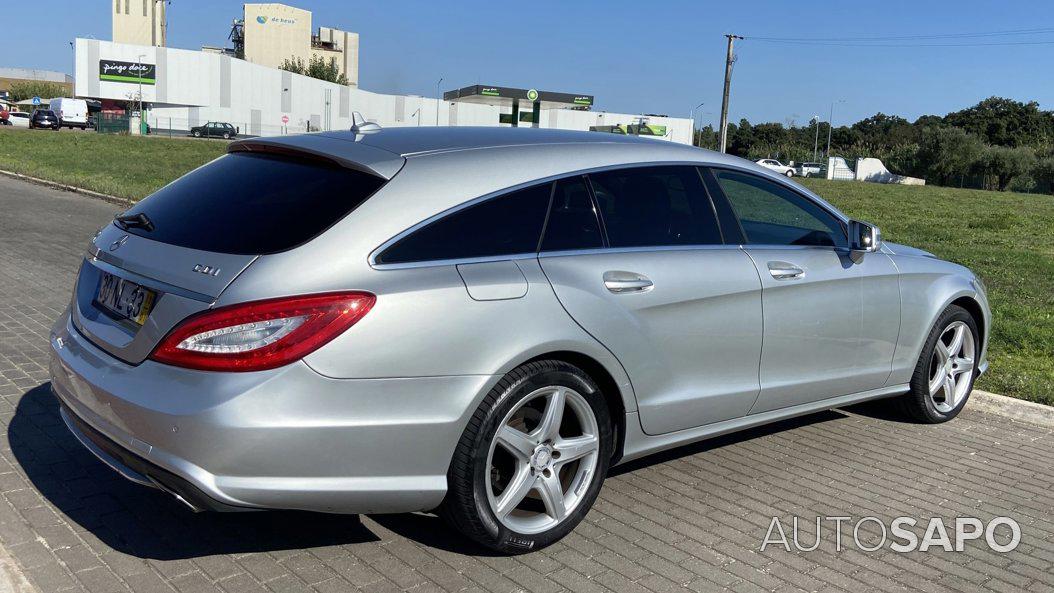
185 88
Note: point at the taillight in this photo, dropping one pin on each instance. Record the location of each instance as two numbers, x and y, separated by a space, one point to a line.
261 335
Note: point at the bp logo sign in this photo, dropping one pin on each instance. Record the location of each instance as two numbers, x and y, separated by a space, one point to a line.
261 19
532 95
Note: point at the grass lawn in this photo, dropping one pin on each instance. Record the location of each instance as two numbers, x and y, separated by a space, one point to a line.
1006 238
123 166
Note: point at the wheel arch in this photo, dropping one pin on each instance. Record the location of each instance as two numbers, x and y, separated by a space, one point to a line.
609 387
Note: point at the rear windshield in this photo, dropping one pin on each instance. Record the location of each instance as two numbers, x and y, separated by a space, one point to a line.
253 204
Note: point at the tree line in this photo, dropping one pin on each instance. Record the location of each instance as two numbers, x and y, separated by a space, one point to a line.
998 144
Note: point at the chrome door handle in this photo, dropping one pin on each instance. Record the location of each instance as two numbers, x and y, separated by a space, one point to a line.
620 282
782 270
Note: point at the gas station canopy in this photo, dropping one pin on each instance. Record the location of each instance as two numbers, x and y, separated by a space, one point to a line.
506 96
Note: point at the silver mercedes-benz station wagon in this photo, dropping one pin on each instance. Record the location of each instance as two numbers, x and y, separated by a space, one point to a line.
480 322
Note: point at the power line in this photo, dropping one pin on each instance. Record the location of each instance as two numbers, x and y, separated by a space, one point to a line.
1010 32
847 44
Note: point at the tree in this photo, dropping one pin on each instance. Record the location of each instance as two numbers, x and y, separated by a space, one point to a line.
945 153
1044 172
27 89
1005 122
317 67
1003 163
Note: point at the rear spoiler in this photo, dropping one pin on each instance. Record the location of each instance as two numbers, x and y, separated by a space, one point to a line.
351 155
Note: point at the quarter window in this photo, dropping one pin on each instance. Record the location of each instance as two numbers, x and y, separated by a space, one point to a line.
771 214
572 218
655 206
506 225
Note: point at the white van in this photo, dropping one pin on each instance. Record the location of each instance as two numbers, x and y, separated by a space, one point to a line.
72 113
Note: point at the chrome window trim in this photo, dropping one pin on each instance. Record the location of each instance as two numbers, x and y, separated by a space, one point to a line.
372 259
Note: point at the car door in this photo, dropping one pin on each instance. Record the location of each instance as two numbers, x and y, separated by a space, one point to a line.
820 339
652 280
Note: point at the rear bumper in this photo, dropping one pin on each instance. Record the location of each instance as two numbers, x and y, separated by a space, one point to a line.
289 438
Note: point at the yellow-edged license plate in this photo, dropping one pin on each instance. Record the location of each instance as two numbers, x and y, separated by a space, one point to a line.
124 299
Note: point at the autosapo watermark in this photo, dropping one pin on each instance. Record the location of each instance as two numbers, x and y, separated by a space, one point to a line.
872 533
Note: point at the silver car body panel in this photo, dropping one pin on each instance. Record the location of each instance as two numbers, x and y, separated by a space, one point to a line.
368 422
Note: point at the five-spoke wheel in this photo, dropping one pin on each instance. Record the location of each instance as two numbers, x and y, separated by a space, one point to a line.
532 460
946 369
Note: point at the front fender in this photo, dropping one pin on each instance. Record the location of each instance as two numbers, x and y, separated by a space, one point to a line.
927 287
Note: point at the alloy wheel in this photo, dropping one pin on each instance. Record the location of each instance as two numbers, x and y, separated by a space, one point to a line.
951 367
542 459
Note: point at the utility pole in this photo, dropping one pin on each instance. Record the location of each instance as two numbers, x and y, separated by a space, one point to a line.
729 59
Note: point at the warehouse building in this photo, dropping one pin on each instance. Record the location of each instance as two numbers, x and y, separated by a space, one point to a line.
185 88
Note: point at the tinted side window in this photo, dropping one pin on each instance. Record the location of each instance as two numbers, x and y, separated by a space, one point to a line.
655 206
253 204
506 225
572 218
771 214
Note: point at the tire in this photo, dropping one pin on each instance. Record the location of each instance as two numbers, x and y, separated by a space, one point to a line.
197 134
484 469
226 136
928 401
789 173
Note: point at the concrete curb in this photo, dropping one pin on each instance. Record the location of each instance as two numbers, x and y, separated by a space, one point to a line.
71 188
1013 408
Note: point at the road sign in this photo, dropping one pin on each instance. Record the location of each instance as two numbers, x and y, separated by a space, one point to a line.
36 100
285 119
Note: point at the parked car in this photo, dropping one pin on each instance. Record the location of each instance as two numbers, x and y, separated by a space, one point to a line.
809 169
44 118
214 129
776 166
484 345
19 119
72 113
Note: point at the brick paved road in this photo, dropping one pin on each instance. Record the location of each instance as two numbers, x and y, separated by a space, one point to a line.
691 519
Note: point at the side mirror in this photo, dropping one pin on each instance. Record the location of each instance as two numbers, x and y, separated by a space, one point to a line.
864 236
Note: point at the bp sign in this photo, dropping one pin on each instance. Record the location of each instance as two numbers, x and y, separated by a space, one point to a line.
532 95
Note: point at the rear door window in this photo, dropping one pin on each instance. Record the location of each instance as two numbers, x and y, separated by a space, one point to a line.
253 204
655 206
572 220
506 225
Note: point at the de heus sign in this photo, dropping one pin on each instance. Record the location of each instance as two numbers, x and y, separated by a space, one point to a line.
115 71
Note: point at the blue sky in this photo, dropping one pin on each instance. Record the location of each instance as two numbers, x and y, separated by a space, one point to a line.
655 57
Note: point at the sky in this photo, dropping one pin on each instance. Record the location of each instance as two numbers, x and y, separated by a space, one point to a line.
641 57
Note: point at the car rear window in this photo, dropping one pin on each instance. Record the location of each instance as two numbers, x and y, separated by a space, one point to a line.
253 204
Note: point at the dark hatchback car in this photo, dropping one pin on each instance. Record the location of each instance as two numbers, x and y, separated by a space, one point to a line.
215 129
44 118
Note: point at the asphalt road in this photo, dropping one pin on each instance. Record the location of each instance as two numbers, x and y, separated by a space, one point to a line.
691 519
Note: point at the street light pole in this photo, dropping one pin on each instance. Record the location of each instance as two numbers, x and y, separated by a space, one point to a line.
816 137
140 72
830 126
691 116
439 99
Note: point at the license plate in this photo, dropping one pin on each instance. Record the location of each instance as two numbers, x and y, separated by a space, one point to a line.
124 299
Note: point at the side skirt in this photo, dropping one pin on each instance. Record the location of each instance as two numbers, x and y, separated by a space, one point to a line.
639 444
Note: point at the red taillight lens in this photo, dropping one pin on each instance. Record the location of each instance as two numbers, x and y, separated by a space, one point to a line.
262 334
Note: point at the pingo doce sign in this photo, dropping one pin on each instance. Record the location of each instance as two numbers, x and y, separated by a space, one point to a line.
134 72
